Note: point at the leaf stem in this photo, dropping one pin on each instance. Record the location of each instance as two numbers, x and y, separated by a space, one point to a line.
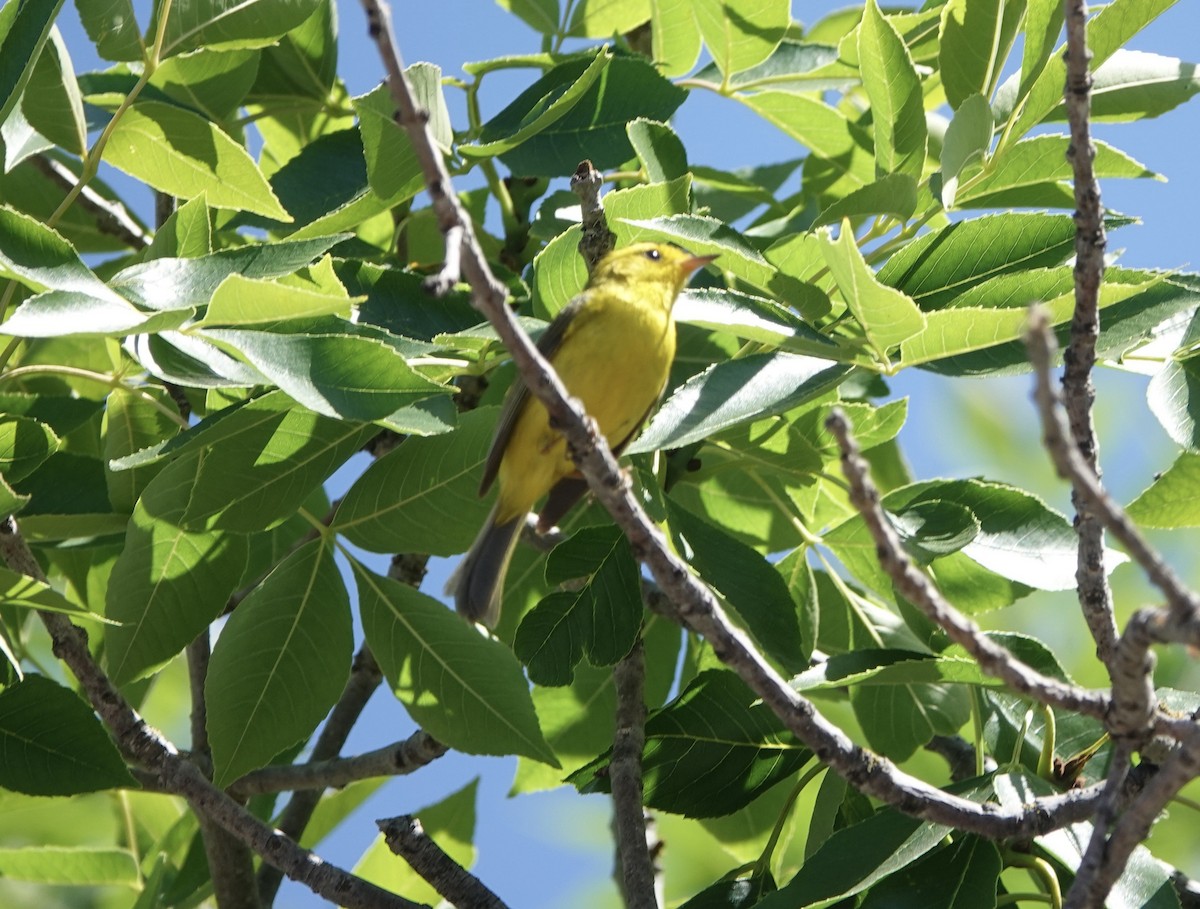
91 161
75 372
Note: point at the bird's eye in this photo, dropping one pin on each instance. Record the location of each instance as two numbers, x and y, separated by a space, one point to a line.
653 254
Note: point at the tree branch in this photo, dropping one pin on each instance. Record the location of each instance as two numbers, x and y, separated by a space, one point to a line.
692 604
1095 596
147 748
110 217
635 865
230 863
397 759
916 587
597 240
1133 694
365 677
1095 879
458 886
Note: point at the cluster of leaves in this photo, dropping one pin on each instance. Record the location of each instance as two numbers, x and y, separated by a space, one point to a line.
271 307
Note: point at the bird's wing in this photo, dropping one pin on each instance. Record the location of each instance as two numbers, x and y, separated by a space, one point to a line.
569 490
514 403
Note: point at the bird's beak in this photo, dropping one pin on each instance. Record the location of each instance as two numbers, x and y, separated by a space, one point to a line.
694 263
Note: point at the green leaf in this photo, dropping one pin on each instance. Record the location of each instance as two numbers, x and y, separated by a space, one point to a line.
258 466
395 301
70 866
186 234
894 195
752 318
1174 396
214 83
976 38
401 502
1043 159
794 66
938 266
894 90
230 24
887 316
599 620
1043 24
1108 31
741 34
23 592
465 690
962 875
40 258
280 663
890 667
1130 85
167 584
52 103
748 583
658 148
899 719
557 122
1173 499
735 391
178 284
24 29
578 719
548 100
53 744
304 61
843 147
182 154
605 18
967 139
1020 537
855 858
331 369
112 26
393 170
24 444
711 751
132 423
254 301
542 15
674 36
989 318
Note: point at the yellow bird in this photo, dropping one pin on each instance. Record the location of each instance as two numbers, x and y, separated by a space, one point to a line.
612 346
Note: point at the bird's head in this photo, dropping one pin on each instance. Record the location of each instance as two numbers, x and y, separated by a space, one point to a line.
662 267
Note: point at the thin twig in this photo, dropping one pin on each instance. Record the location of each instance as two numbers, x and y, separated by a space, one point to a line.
597 240
635 866
1129 668
1095 595
691 603
1094 856
230 862
458 886
1066 457
397 759
1094 881
916 587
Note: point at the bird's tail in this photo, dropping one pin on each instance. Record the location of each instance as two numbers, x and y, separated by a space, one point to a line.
479 579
